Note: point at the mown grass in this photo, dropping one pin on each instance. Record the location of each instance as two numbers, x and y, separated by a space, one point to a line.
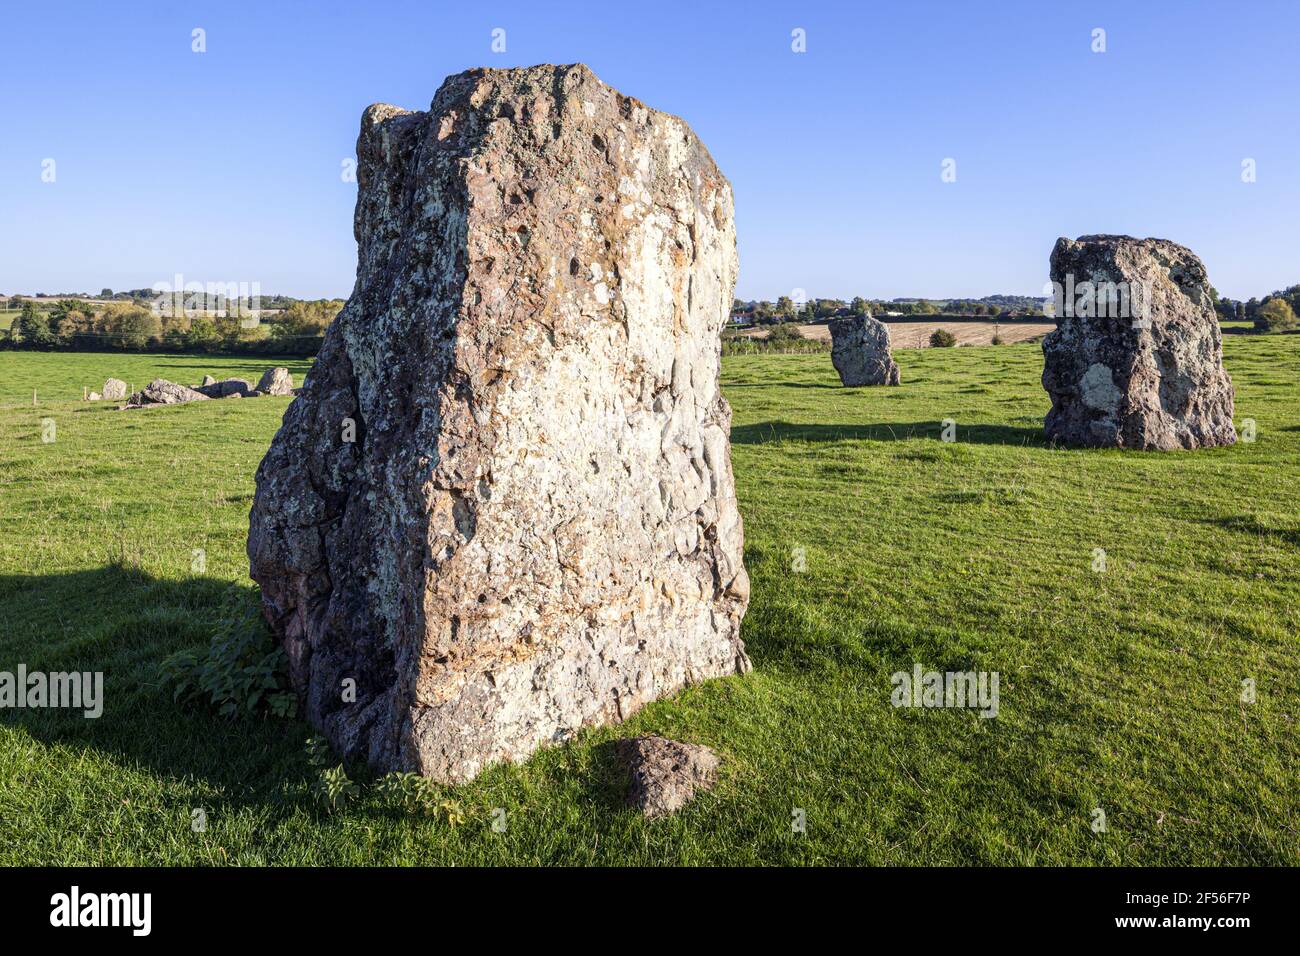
1118 690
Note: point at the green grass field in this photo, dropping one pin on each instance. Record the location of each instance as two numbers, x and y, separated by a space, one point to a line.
1119 691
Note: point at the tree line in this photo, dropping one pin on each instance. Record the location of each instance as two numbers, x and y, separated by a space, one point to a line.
1276 312
785 309
75 325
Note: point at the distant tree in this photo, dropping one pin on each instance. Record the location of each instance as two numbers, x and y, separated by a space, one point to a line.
1275 315
34 329
942 339
131 326
925 307
106 293
785 306
859 306
784 332
203 336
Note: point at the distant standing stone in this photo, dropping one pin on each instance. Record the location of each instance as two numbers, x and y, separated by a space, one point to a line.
94 397
665 773
1136 360
114 390
276 381
209 380
860 351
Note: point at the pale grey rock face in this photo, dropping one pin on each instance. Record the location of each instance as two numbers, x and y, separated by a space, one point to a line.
209 380
114 390
94 397
276 381
1136 360
860 351
162 392
665 774
535 526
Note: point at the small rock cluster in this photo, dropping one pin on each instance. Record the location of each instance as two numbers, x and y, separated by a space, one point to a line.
275 381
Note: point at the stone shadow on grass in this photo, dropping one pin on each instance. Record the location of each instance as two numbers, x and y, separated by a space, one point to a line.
762 433
826 385
1250 525
123 622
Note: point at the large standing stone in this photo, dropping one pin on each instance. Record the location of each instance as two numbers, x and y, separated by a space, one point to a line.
860 351
1136 360
535 526
114 390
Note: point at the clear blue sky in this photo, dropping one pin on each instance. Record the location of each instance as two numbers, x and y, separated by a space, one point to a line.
225 166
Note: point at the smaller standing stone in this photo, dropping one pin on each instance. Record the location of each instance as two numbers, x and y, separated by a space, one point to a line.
1136 360
860 352
276 381
665 773
114 390
209 380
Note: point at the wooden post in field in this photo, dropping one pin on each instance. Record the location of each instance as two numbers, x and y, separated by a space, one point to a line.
83 393
33 397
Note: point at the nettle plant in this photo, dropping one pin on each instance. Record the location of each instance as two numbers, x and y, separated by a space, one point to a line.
241 673
413 794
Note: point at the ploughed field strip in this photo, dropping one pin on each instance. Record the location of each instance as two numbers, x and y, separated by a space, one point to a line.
1119 690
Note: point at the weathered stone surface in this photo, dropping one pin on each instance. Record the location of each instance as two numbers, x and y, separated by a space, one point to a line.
94 397
209 380
535 527
860 351
114 390
1136 360
665 774
227 388
162 392
276 381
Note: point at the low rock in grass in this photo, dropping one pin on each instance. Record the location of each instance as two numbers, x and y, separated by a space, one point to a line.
228 388
114 390
665 773
162 392
208 380
94 397
276 381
